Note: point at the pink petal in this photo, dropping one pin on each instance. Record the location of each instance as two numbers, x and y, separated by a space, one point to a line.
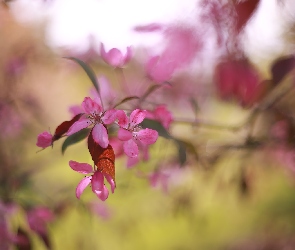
128 55
44 140
163 115
82 185
147 136
100 135
109 116
97 182
122 119
104 194
114 58
78 125
83 168
124 135
90 106
75 110
130 148
111 182
132 161
136 117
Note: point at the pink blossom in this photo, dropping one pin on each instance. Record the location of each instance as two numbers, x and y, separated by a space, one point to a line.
159 178
100 209
161 114
131 133
44 140
38 219
96 180
96 116
114 57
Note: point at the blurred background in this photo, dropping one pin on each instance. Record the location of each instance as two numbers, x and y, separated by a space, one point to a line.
224 179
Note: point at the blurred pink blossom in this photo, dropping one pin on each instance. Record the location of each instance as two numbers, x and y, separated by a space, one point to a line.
38 218
161 114
44 140
115 57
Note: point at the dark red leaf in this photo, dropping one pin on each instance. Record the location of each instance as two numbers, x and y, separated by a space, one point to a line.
281 68
244 11
64 127
23 241
103 158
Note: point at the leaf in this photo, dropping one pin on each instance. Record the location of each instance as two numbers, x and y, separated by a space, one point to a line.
89 71
64 127
103 158
75 138
181 151
281 68
127 99
152 124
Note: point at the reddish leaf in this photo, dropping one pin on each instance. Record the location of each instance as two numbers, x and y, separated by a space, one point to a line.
64 127
23 241
281 68
104 158
244 11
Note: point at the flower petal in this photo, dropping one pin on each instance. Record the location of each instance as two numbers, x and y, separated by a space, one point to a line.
83 168
130 148
109 116
122 119
104 194
124 135
44 140
82 185
90 106
78 125
97 182
131 162
147 136
111 182
136 117
100 135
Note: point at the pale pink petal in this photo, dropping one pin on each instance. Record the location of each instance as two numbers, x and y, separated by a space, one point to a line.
97 182
109 116
78 125
128 55
163 115
124 135
147 136
136 117
111 182
122 119
130 148
114 58
131 162
91 107
44 140
100 135
82 185
104 194
75 110
83 168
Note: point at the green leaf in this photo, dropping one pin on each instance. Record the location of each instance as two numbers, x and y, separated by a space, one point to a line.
127 99
75 138
89 71
152 124
181 151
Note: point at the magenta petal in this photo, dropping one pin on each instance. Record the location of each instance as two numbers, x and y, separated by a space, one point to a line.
83 168
109 116
128 55
82 185
78 125
97 182
131 162
114 58
122 119
104 194
147 136
90 106
130 148
111 182
100 135
136 117
124 135
44 140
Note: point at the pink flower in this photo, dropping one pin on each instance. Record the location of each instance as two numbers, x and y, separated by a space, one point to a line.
94 115
159 178
115 57
161 114
132 134
38 218
44 140
96 180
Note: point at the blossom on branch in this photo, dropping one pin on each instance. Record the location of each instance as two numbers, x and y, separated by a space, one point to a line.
115 57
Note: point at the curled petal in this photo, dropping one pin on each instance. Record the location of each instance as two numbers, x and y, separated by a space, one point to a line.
104 194
100 135
82 185
147 136
97 182
109 116
90 106
111 182
83 168
124 135
122 119
130 148
115 57
44 140
136 117
78 125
